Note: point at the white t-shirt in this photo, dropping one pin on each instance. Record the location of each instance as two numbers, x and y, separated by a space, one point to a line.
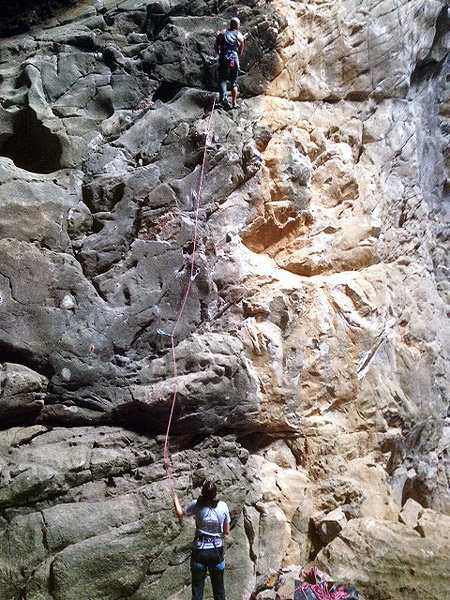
209 523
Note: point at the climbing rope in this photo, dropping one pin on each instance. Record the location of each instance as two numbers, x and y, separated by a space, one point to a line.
192 275
315 586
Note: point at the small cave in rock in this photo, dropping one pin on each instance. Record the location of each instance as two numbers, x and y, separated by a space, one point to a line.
167 91
18 16
22 356
32 146
417 490
136 416
431 65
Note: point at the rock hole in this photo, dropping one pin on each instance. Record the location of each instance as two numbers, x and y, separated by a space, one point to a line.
22 356
358 43
332 99
137 475
431 66
110 481
417 490
97 225
356 96
156 21
19 17
167 91
32 146
127 295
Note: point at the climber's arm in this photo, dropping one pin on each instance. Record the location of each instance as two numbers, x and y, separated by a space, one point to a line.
227 521
241 45
181 512
226 528
178 508
218 43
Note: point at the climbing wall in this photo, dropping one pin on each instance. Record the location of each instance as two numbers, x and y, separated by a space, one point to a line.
303 292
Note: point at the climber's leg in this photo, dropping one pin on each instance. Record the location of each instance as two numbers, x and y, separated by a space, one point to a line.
223 93
216 575
234 85
234 94
198 575
223 80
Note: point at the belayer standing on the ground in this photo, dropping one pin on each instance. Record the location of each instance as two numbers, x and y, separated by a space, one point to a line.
229 47
212 522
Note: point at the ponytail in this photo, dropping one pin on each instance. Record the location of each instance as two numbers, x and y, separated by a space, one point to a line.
208 495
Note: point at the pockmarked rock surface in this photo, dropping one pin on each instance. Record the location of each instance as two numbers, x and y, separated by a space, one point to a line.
313 354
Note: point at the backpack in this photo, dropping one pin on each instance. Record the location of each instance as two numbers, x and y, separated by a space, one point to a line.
228 48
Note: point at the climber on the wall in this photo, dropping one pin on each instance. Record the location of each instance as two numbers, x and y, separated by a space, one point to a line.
212 522
229 47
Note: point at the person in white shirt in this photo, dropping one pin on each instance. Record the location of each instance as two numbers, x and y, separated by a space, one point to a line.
212 523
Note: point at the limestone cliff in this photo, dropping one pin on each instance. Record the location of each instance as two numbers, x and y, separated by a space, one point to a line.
313 357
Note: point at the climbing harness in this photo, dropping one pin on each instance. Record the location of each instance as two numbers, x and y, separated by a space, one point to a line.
196 195
205 537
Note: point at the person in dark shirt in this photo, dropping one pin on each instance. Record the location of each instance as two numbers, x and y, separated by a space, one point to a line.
229 47
212 522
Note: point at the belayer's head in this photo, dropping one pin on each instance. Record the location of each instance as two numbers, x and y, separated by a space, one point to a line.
235 23
209 493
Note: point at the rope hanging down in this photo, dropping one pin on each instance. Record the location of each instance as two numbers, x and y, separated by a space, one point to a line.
192 275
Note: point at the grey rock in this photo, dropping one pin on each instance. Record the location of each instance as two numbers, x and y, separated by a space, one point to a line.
22 394
216 391
41 208
109 516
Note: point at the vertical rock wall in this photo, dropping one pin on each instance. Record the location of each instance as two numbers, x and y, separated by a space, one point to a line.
313 357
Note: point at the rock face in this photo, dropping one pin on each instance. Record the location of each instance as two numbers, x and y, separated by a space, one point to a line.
382 556
313 354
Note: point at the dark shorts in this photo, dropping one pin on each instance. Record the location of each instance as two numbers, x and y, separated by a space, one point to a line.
229 74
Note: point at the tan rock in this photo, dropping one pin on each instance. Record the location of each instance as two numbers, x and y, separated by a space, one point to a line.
410 513
349 50
389 560
280 453
373 480
274 535
435 526
286 583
